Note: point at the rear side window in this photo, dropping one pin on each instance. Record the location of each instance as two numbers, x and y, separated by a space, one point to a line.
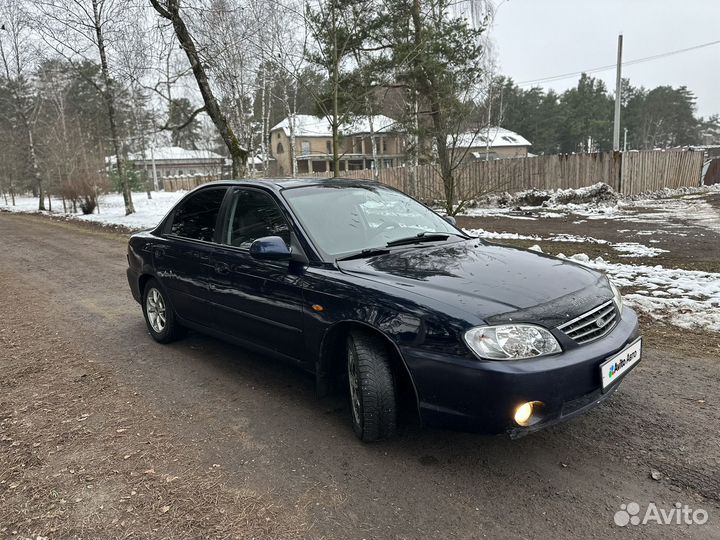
254 214
196 217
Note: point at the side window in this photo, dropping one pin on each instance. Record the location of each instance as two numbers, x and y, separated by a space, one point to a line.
196 217
253 214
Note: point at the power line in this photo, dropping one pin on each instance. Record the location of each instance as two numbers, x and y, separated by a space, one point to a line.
613 66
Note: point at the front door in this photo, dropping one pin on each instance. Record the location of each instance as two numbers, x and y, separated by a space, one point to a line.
256 301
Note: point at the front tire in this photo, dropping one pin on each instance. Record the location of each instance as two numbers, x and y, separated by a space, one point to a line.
159 315
372 388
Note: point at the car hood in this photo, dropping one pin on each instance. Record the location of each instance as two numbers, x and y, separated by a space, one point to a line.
493 282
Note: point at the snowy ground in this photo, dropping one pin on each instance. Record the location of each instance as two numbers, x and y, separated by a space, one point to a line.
682 297
148 212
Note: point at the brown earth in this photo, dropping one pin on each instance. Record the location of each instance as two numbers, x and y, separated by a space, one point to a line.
104 433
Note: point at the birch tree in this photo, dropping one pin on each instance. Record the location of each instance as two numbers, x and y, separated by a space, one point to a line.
16 52
88 30
172 11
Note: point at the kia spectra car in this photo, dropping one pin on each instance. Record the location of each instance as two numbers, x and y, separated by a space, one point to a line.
382 298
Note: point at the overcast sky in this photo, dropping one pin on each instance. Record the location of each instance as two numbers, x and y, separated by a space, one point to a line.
541 38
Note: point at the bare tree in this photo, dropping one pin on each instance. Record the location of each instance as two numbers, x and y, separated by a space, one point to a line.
86 30
15 52
171 11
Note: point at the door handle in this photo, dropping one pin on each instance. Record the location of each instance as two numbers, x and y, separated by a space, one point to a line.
222 268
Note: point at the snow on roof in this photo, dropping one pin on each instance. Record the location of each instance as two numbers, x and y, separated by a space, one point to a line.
498 137
170 153
174 153
307 125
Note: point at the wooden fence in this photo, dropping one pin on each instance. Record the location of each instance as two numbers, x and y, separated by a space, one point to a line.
186 183
653 170
627 172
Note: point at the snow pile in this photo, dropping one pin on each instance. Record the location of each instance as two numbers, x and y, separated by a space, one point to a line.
148 212
531 197
686 298
599 193
667 193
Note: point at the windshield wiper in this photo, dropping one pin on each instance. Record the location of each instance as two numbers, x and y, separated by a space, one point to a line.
369 252
419 237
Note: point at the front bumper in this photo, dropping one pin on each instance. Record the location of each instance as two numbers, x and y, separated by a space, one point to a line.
481 396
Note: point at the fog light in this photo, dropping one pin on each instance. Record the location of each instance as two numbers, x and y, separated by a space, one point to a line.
525 413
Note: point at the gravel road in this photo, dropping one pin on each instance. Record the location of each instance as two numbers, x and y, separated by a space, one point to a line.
105 433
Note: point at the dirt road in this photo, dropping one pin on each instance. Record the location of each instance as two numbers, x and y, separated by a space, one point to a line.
105 433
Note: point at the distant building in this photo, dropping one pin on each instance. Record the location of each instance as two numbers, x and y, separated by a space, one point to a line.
314 151
167 161
492 143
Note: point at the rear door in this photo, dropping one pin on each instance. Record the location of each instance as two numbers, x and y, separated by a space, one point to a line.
182 261
256 301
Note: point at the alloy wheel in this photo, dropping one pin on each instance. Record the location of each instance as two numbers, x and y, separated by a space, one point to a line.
156 311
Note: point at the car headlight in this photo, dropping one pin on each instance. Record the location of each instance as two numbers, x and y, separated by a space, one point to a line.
511 341
617 297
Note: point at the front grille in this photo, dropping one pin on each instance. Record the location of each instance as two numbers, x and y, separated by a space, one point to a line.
591 325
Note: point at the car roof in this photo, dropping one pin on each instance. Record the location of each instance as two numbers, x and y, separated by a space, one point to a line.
279 184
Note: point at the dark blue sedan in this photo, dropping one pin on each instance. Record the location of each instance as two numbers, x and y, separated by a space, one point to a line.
376 294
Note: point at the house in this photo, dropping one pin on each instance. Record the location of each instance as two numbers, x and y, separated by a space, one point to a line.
313 144
166 161
491 143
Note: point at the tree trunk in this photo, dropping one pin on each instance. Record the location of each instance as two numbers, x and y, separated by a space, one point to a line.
373 145
34 164
335 90
109 97
237 153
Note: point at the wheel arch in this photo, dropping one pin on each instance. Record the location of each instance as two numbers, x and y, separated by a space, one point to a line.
142 282
330 365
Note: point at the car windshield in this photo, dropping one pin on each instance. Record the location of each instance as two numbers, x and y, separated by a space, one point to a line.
343 220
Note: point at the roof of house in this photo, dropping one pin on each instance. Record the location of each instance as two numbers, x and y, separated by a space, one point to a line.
496 135
170 153
307 125
174 153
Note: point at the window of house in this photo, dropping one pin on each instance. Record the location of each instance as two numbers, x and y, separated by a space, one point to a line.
196 217
254 214
383 145
328 147
280 148
306 148
180 172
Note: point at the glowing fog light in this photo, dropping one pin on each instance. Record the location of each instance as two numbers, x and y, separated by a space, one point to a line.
525 412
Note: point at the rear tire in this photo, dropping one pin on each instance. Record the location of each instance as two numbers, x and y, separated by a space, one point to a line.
372 388
159 314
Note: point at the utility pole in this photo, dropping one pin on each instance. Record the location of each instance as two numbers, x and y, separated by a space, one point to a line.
618 95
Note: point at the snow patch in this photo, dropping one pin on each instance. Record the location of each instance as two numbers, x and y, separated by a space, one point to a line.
491 235
633 249
148 212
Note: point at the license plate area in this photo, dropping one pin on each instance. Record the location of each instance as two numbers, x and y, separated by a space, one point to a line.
616 366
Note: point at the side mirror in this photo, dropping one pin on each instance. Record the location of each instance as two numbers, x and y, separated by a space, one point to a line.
450 219
270 248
